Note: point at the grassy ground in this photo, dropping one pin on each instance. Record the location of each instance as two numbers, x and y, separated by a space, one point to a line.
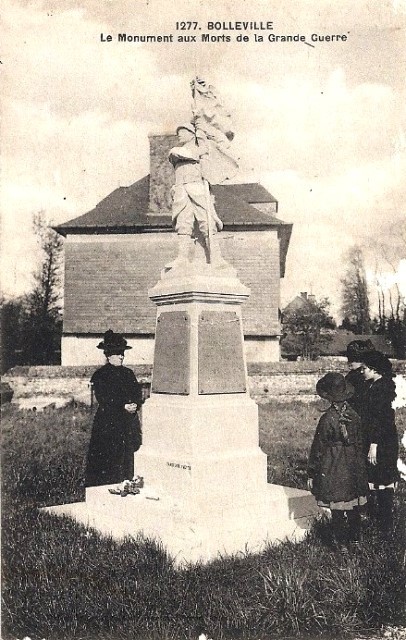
62 581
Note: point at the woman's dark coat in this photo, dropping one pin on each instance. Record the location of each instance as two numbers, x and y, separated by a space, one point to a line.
337 462
116 434
357 401
380 428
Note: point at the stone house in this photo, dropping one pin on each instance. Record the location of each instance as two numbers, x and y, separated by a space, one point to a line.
338 340
303 301
114 254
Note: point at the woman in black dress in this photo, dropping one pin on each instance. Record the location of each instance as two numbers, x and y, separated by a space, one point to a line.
116 432
382 438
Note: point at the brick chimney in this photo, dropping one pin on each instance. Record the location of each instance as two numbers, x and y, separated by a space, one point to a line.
303 294
162 175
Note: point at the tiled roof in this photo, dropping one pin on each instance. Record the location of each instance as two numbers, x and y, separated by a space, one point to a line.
341 338
251 192
126 209
297 304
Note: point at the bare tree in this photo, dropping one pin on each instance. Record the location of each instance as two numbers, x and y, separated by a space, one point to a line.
389 248
355 296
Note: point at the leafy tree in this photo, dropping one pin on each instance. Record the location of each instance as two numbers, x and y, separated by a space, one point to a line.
348 325
32 324
12 314
43 317
355 300
303 328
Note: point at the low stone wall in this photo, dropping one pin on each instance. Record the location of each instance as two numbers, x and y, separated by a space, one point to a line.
271 381
291 380
62 384
284 381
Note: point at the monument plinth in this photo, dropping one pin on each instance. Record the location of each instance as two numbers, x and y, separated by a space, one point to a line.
200 434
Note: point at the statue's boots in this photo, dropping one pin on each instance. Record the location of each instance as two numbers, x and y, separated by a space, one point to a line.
185 244
216 259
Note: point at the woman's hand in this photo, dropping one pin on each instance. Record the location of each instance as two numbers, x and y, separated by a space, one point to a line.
372 453
131 407
310 483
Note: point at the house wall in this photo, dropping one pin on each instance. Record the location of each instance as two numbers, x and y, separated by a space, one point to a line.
82 350
107 278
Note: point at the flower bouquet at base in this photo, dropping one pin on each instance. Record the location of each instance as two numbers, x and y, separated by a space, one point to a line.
128 487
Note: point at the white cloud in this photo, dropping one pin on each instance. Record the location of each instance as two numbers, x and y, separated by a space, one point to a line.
329 215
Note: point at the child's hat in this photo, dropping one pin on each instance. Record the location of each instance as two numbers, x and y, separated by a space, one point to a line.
334 387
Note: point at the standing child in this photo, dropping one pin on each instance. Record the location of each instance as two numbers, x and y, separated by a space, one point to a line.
382 439
337 469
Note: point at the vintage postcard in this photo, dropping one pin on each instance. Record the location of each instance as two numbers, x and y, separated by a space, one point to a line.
203 167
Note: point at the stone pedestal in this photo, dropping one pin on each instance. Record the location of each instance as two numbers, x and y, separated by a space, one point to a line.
200 427
205 476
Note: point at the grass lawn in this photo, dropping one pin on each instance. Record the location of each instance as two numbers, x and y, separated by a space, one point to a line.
62 581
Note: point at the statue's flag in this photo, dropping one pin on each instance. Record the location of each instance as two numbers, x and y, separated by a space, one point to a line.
214 131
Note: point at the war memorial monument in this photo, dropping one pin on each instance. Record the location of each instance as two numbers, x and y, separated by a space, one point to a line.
205 477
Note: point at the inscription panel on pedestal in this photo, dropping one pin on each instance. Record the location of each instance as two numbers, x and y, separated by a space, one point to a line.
221 359
171 372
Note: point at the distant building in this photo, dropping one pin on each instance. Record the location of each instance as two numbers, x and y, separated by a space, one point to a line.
338 339
115 253
304 300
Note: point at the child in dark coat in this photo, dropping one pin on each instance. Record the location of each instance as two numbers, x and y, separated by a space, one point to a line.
382 439
337 466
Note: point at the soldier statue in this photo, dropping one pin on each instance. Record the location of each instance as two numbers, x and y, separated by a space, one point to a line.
200 160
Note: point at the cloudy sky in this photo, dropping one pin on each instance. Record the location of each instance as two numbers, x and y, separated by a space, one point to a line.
322 127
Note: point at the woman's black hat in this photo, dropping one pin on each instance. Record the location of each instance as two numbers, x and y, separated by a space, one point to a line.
334 387
113 342
378 361
357 348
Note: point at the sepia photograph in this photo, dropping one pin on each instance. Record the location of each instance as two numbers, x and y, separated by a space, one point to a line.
203 320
